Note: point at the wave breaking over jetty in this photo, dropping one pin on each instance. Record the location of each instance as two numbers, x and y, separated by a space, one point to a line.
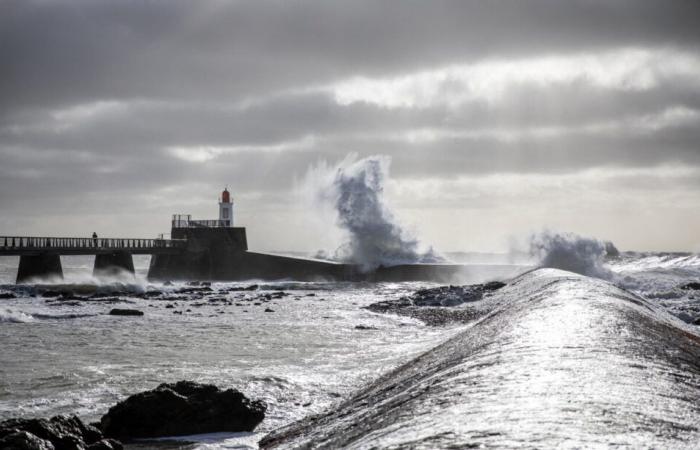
354 190
561 360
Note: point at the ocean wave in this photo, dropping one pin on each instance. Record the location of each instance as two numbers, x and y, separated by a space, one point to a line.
657 261
568 251
13 316
372 236
43 316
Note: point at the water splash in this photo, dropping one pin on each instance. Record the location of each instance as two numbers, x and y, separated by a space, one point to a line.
8 315
373 237
569 251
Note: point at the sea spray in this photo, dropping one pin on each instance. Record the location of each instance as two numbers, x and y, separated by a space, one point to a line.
568 251
355 191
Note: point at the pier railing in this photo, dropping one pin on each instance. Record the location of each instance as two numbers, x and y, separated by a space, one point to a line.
79 245
186 221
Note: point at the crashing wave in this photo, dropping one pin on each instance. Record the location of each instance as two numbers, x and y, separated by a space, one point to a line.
568 251
355 190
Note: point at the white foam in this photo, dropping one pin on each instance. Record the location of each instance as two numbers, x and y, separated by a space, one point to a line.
8 315
215 441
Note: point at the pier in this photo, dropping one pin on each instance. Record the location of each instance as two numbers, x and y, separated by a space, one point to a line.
215 250
40 256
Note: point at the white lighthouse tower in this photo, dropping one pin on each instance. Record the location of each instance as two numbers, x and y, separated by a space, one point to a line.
226 209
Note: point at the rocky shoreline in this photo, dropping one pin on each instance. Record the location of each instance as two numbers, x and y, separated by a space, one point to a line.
176 409
441 305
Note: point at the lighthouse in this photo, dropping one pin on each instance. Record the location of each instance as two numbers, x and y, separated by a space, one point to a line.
226 209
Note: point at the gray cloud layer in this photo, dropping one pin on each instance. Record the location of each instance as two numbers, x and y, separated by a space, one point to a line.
135 101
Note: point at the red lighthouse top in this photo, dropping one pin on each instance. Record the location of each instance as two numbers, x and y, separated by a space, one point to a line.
225 197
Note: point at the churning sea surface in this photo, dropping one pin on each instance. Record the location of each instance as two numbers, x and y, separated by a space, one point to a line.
300 347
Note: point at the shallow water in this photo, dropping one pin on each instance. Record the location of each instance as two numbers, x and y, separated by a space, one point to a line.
71 357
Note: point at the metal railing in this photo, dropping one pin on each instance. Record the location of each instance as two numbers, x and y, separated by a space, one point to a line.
14 243
185 221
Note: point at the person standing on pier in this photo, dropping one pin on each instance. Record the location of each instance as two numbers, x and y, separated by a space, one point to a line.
94 238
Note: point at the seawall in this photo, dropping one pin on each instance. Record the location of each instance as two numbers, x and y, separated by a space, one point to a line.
561 360
221 254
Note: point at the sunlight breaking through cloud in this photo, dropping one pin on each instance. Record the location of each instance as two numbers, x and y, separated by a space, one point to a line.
488 81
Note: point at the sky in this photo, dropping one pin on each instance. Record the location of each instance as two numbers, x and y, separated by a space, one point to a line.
499 117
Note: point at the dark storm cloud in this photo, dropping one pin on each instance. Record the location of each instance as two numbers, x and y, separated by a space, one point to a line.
58 53
131 99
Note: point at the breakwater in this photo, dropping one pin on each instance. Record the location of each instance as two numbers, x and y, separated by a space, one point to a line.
560 360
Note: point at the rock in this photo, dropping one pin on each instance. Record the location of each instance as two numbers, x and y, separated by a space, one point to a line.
169 306
692 286
21 440
62 432
125 312
492 286
365 327
50 294
436 306
194 290
252 287
6 295
269 310
685 317
180 409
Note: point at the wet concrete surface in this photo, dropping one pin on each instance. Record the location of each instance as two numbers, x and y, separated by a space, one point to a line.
560 360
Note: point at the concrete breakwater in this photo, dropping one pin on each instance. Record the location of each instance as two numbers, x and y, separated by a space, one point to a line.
560 360
222 254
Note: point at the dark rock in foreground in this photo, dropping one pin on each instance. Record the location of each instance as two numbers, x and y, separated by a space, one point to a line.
561 360
57 433
692 286
21 440
180 409
440 306
125 312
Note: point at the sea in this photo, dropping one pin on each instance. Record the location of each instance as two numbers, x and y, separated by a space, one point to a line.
299 346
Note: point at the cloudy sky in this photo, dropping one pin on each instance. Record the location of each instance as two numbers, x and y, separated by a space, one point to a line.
500 117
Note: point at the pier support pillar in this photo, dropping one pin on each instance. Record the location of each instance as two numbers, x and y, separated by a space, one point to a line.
39 266
111 264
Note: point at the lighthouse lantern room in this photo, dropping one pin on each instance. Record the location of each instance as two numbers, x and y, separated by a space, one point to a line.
226 209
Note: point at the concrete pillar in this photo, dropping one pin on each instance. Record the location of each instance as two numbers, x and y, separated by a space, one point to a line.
43 265
111 264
